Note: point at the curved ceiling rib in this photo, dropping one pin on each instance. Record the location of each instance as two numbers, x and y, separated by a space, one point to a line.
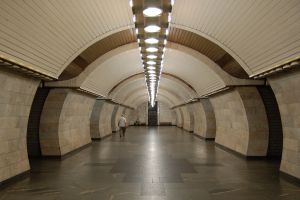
171 86
137 80
96 50
196 70
209 49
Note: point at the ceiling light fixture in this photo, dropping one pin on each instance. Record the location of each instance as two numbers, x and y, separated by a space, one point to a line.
151 67
151 62
151 41
152 12
151 56
151 35
152 49
152 29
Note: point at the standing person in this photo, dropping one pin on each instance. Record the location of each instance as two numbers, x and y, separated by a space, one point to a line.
122 124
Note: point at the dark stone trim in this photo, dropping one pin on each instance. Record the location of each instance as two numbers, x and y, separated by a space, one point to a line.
204 138
14 179
290 178
241 155
71 153
102 138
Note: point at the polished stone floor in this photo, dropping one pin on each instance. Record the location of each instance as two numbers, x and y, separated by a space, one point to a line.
152 164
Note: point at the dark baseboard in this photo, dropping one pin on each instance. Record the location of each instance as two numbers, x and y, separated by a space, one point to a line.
14 179
290 178
241 155
102 138
204 138
62 157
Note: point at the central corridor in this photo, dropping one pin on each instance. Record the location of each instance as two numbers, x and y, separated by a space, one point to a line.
152 163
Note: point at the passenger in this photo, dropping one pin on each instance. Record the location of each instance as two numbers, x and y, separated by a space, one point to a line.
122 124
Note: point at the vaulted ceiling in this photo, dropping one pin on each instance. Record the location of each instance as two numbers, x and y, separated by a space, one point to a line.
92 44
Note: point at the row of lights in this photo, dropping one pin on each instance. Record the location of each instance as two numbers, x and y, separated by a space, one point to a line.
152 18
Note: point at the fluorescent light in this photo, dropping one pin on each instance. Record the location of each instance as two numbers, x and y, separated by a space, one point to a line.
152 28
172 2
134 18
151 62
152 12
165 42
136 31
151 56
131 3
151 72
152 49
151 41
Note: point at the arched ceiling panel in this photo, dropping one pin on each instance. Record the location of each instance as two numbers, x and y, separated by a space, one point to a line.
137 82
139 98
209 49
96 50
260 34
192 70
112 71
130 94
47 35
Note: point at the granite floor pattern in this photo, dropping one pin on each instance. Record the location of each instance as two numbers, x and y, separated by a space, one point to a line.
158 163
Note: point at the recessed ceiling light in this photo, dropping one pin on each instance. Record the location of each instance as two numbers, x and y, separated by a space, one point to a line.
151 62
152 28
152 56
151 41
151 71
152 12
151 67
152 49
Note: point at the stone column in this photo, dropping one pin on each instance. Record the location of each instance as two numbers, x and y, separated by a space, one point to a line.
205 121
16 96
114 126
65 122
101 119
241 121
286 88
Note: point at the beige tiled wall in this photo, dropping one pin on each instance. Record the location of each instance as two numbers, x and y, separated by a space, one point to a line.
16 96
286 88
241 121
65 122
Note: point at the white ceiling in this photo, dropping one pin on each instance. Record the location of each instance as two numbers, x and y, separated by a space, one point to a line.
46 35
260 34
